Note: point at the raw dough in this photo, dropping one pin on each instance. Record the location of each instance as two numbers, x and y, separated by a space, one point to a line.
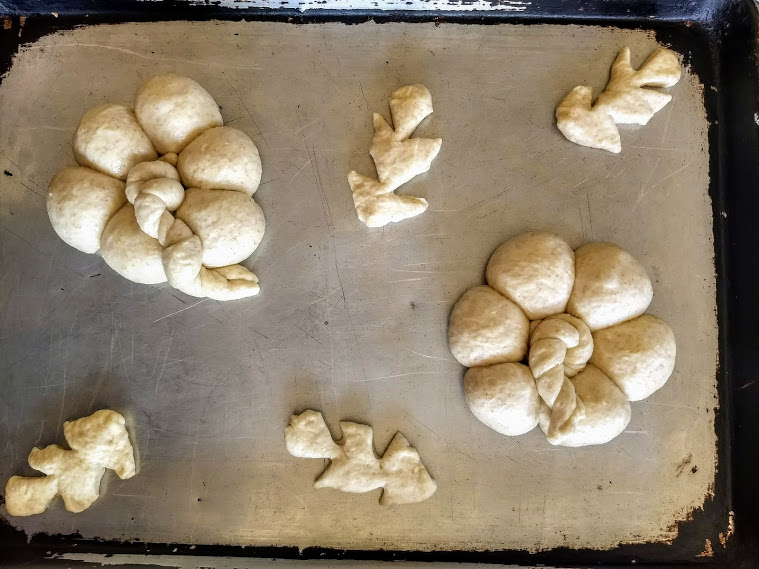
85 206
354 467
626 100
222 158
98 442
638 355
109 139
560 346
504 397
397 158
606 411
487 328
605 290
155 191
183 264
173 110
230 224
536 271
129 251
611 286
80 202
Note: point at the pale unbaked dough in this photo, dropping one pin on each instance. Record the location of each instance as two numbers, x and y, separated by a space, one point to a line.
98 442
487 328
611 286
560 346
606 411
222 158
626 100
397 158
80 202
219 224
155 191
230 224
536 271
638 355
354 467
504 397
109 139
585 365
129 251
173 110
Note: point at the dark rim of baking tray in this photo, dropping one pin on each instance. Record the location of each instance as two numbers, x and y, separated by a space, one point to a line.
718 39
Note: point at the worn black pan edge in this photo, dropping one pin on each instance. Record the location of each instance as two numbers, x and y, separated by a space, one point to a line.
726 65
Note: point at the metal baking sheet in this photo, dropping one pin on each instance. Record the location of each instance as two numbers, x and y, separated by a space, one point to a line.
352 321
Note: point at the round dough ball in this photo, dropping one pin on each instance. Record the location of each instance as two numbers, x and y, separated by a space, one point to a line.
611 286
607 411
487 328
110 140
131 253
173 110
222 158
229 224
80 201
638 355
535 270
504 397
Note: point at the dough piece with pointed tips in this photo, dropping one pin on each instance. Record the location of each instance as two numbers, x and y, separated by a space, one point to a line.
354 467
630 97
97 442
397 158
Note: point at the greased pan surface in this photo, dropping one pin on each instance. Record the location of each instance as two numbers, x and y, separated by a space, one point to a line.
352 321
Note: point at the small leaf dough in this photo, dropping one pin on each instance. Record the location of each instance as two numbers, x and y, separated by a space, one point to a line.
98 442
397 158
534 270
230 224
504 397
638 355
487 328
354 467
129 251
626 100
80 201
173 110
611 286
109 139
606 411
221 158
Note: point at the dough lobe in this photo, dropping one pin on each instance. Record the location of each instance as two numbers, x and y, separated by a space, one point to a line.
229 224
504 397
638 355
487 328
607 411
173 110
611 286
129 251
80 202
221 158
536 271
109 139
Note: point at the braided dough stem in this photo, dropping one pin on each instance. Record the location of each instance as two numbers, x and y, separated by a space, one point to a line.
183 263
560 346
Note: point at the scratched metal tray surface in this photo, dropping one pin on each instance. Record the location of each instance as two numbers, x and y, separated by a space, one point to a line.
352 321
